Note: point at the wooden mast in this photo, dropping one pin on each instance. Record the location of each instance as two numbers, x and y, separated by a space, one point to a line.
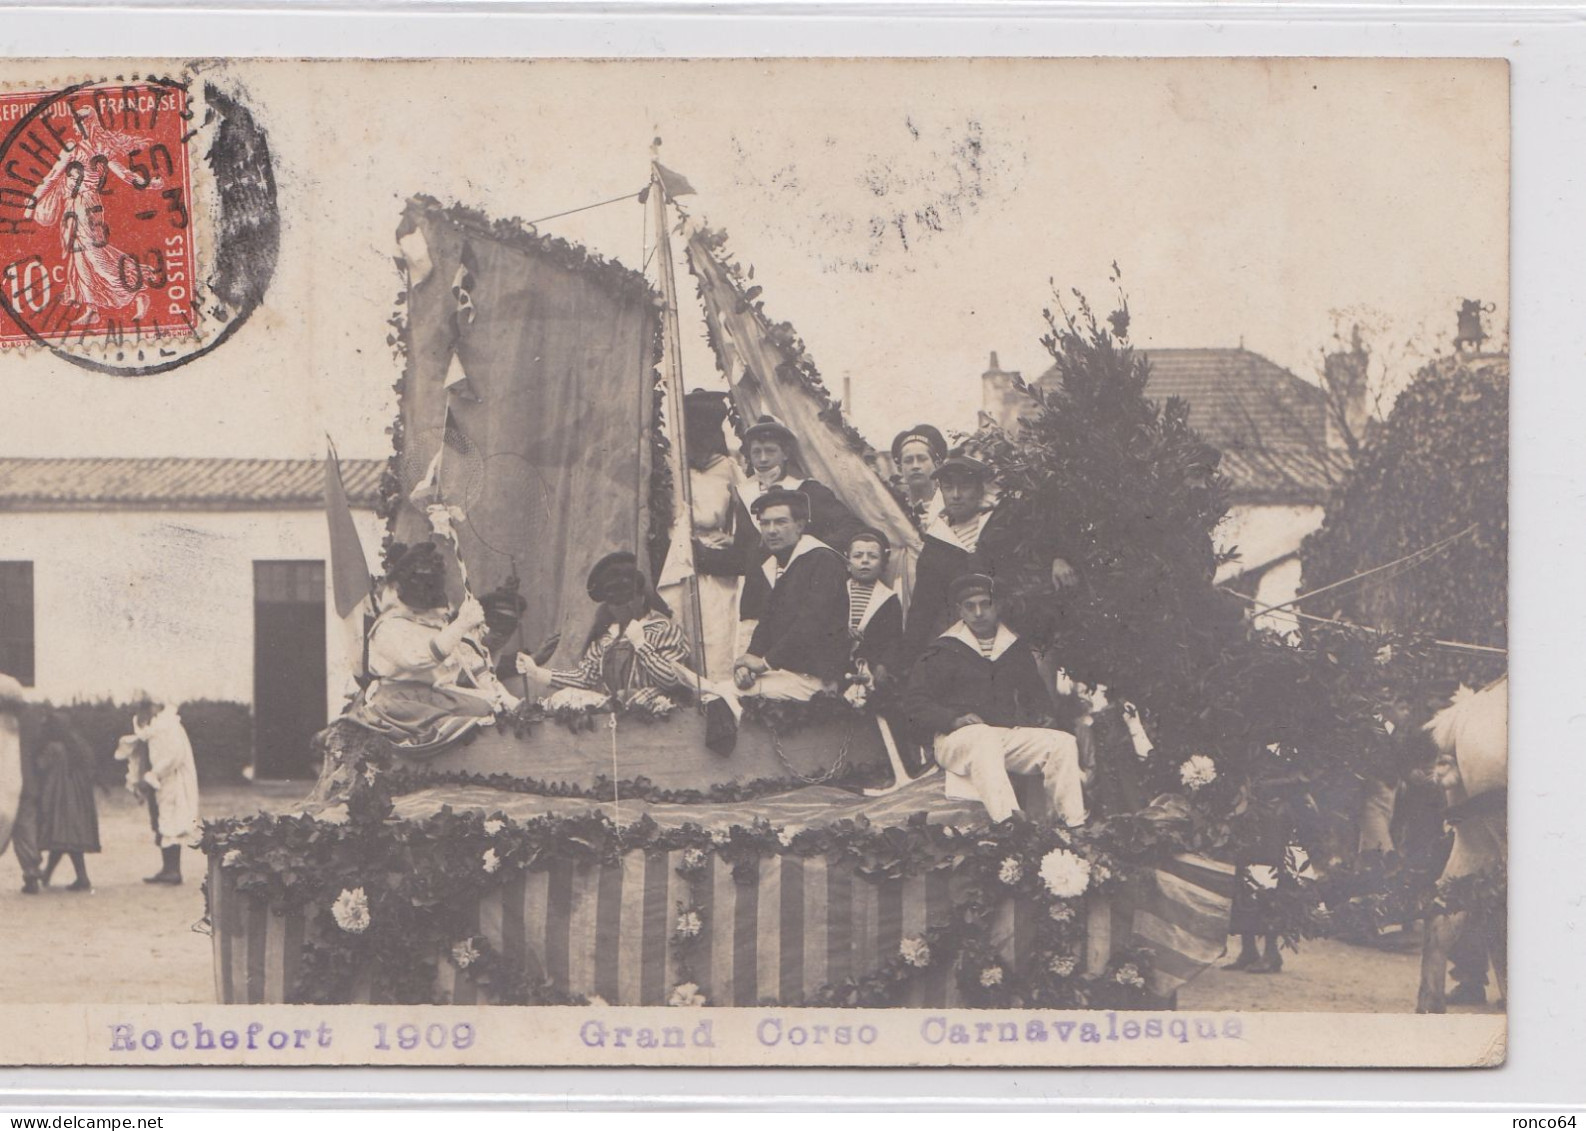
672 358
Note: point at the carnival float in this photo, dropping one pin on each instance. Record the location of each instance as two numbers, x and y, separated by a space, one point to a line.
593 849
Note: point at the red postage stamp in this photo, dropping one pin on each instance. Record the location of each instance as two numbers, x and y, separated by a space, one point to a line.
97 229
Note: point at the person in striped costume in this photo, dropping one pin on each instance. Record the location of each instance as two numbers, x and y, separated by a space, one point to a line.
634 650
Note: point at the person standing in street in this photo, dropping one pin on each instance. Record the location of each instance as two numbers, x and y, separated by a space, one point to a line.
173 778
68 818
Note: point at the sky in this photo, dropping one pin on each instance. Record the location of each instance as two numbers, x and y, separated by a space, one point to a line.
907 217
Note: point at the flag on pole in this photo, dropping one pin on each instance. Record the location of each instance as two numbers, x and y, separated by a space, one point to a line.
673 184
349 568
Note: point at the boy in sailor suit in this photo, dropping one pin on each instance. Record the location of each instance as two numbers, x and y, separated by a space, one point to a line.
875 615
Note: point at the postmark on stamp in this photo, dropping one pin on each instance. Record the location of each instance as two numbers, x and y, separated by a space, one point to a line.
122 205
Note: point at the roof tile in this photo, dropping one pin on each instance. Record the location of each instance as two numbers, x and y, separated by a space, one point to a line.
179 484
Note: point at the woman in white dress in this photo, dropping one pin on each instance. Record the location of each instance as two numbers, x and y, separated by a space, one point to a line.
725 537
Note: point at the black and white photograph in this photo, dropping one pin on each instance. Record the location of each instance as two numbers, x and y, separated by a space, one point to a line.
754 562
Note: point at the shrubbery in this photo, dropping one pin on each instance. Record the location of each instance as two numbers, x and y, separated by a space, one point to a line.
221 731
1125 490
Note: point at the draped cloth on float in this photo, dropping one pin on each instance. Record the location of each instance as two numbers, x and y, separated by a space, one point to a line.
782 931
764 382
547 357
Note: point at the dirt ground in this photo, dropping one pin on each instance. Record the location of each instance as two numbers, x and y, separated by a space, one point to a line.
128 941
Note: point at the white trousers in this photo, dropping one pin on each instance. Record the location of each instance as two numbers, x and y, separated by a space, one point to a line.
986 754
779 684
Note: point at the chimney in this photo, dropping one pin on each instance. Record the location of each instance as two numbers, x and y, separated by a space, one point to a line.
1001 402
1345 372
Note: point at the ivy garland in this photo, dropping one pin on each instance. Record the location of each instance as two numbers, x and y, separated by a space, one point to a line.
610 274
393 888
797 365
604 789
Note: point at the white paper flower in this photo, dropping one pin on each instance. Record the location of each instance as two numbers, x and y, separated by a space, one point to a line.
1129 975
370 773
1010 871
689 924
465 954
1197 771
231 858
685 994
1062 964
991 976
1060 912
335 815
693 859
916 952
491 861
351 911
784 838
493 826
721 836
577 699
1066 874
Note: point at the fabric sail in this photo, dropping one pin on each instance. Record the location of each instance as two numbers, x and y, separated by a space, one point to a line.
765 380
545 357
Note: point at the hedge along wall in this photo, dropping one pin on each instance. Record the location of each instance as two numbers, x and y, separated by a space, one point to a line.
221 731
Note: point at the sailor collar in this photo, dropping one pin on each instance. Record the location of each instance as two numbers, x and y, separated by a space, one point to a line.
1005 639
879 595
804 545
942 530
751 489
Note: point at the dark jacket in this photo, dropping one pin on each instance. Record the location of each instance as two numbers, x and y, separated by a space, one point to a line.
880 642
952 679
804 627
830 522
942 560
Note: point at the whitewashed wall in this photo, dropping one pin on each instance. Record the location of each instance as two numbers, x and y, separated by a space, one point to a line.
162 601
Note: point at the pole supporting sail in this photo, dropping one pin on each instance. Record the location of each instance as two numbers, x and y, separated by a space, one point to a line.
662 186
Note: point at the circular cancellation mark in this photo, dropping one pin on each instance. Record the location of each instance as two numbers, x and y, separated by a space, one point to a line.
138 220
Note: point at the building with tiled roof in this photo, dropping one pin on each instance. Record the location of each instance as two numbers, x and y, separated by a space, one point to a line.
185 578
1272 427
1281 451
179 484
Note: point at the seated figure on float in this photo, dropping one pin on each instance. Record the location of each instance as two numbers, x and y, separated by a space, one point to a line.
775 464
635 651
800 646
430 678
977 691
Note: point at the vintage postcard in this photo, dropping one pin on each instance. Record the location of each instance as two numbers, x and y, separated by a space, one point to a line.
816 562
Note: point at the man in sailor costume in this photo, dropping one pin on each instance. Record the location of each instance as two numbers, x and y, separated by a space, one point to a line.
977 691
800 646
